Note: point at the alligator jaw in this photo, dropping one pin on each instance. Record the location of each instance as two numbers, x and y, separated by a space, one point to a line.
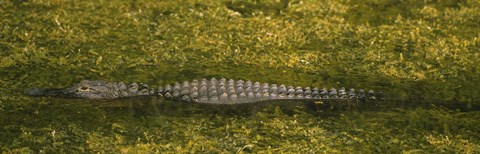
94 90
84 89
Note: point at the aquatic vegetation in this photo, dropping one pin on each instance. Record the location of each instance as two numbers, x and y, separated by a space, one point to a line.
424 51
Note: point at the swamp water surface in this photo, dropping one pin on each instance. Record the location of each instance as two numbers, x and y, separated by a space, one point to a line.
156 124
423 54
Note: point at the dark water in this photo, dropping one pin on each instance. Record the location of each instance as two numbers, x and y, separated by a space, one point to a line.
160 106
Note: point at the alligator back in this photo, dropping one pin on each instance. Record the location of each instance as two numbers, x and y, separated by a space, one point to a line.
231 91
213 91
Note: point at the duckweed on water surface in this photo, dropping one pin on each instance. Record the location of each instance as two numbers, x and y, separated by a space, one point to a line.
423 51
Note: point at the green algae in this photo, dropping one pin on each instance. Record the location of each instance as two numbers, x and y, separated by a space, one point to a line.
417 51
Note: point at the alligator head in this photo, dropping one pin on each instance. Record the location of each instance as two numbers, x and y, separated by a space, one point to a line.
85 89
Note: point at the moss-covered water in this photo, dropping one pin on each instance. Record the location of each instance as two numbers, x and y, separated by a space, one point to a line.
426 52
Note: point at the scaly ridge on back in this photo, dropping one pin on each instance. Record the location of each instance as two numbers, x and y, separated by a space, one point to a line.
213 91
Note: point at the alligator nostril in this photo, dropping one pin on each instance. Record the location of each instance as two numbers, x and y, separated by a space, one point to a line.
84 88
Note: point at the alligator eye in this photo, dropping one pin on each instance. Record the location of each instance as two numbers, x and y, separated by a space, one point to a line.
83 88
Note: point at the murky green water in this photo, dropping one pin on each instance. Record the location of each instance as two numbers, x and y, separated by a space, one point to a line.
423 55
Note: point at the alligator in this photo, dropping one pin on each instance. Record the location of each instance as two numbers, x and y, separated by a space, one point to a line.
211 91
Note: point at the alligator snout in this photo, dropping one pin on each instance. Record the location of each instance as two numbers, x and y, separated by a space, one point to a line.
35 92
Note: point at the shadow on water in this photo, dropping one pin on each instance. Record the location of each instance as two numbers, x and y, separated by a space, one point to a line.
140 107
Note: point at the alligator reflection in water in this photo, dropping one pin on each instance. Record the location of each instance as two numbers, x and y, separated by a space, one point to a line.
140 106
